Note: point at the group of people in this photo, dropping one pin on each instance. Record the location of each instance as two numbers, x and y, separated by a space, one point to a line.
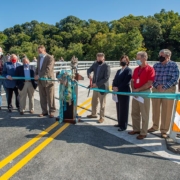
161 78
22 79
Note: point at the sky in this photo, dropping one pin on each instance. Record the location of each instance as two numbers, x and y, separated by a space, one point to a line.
14 12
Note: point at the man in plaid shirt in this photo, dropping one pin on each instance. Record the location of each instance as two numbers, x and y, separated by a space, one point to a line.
166 77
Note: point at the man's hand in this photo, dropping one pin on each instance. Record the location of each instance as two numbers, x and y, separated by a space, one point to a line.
90 77
94 85
9 77
160 89
135 90
36 77
115 89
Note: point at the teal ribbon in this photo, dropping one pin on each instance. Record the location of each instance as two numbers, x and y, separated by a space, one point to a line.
142 94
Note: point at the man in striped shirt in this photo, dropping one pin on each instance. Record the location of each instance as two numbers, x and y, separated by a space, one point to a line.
166 77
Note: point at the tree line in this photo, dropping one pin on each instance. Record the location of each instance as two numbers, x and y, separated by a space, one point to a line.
73 36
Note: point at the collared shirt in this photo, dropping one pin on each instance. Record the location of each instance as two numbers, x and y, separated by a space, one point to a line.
42 60
166 74
98 70
142 75
27 73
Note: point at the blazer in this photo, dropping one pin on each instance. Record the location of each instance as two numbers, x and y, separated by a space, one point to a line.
8 69
20 73
102 81
122 81
46 71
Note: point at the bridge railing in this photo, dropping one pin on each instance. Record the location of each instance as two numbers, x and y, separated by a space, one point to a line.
84 65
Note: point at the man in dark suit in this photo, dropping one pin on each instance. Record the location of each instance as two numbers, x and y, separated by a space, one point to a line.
45 69
26 86
100 80
10 84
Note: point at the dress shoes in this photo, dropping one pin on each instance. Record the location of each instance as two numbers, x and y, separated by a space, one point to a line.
51 116
120 129
151 130
100 121
133 132
91 116
116 125
21 113
42 115
140 137
31 112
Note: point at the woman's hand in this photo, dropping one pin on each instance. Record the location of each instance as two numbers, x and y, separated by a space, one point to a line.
115 89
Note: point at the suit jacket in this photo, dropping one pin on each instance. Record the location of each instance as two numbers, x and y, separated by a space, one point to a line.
102 81
8 69
20 73
122 81
46 71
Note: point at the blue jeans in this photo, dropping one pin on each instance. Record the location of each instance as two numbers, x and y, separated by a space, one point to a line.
5 89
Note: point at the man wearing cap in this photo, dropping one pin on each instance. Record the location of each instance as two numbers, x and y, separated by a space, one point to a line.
167 75
100 80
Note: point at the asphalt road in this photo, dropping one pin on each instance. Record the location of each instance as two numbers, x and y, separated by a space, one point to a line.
75 152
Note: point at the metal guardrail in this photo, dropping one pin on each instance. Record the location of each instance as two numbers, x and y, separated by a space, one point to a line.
84 65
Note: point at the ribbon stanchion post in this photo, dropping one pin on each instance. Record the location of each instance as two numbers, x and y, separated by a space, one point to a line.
68 93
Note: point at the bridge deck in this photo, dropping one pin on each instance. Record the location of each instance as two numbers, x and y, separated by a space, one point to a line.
83 151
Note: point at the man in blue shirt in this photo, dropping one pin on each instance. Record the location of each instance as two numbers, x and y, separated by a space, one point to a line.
26 86
166 77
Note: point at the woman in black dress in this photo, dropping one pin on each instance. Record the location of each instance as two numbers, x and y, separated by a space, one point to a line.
121 83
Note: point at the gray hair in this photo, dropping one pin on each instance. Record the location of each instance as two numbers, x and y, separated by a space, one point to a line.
167 52
143 54
25 58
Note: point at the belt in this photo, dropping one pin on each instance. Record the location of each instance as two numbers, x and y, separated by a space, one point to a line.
27 80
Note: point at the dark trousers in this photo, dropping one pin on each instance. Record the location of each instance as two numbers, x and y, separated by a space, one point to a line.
122 108
10 94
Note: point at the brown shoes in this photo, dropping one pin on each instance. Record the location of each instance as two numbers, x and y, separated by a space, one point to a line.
42 115
140 137
151 130
21 113
133 132
91 116
100 120
164 135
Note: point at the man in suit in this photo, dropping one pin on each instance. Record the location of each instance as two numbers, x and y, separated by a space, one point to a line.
8 72
45 69
100 80
26 86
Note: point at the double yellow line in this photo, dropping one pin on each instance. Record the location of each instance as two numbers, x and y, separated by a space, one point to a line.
39 148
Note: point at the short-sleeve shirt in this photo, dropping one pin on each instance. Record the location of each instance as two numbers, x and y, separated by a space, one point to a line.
142 75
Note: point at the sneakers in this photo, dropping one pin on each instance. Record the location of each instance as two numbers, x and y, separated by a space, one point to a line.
91 116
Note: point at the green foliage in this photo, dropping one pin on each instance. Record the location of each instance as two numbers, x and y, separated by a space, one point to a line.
73 36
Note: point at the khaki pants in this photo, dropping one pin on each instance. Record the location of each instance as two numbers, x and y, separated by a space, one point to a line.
140 110
47 98
97 96
28 89
166 106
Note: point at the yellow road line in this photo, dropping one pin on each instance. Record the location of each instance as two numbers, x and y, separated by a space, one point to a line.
16 153
32 154
39 148
84 110
85 102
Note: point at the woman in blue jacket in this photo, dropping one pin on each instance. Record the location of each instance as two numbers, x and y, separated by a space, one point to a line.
121 83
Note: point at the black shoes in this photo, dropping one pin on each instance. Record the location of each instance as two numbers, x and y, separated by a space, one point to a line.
121 129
